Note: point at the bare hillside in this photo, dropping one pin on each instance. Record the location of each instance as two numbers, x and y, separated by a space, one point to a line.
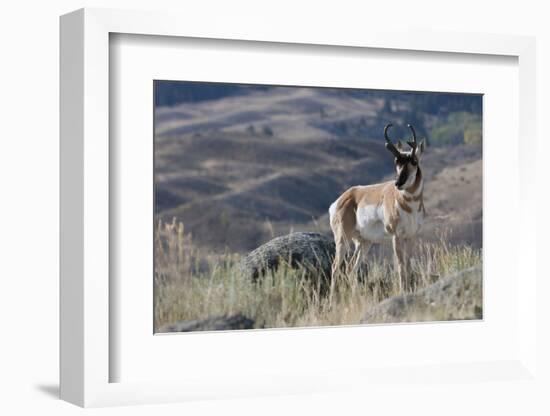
240 170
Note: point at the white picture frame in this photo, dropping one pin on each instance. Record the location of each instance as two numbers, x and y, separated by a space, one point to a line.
86 304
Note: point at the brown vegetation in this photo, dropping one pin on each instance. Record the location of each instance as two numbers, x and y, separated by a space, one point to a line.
193 285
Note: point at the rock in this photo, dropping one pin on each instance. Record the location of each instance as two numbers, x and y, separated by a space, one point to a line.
454 297
312 251
218 323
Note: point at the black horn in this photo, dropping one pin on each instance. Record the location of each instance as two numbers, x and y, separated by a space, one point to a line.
386 132
389 145
412 143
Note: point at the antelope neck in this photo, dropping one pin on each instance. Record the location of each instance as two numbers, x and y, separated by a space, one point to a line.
411 190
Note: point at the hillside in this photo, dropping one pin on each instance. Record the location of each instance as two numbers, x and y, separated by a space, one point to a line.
240 169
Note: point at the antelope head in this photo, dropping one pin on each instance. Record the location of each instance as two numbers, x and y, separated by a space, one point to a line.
407 163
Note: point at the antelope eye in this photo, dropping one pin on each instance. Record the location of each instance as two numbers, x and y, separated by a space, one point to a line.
413 162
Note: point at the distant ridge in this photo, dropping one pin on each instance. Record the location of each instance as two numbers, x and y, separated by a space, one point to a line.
171 93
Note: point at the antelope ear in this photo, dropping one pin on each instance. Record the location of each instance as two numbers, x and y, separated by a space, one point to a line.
420 149
399 145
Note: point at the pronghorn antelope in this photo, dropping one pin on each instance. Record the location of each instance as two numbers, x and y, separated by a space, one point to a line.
366 215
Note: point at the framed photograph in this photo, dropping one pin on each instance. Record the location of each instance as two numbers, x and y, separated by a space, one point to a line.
286 213
270 202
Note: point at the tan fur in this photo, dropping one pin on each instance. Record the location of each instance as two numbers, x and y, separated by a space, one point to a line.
385 194
416 183
344 220
403 205
346 209
414 198
390 208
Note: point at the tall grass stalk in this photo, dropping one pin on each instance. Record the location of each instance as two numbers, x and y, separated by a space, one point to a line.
191 284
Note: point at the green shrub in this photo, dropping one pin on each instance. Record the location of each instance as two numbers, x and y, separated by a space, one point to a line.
457 128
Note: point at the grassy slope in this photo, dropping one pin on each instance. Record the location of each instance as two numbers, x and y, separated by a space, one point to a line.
190 286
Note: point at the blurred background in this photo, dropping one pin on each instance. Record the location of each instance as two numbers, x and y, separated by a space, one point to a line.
240 164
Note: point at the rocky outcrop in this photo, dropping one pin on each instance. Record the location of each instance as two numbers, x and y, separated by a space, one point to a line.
218 323
312 251
455 297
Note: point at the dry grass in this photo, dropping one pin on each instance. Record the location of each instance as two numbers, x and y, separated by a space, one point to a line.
190 284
